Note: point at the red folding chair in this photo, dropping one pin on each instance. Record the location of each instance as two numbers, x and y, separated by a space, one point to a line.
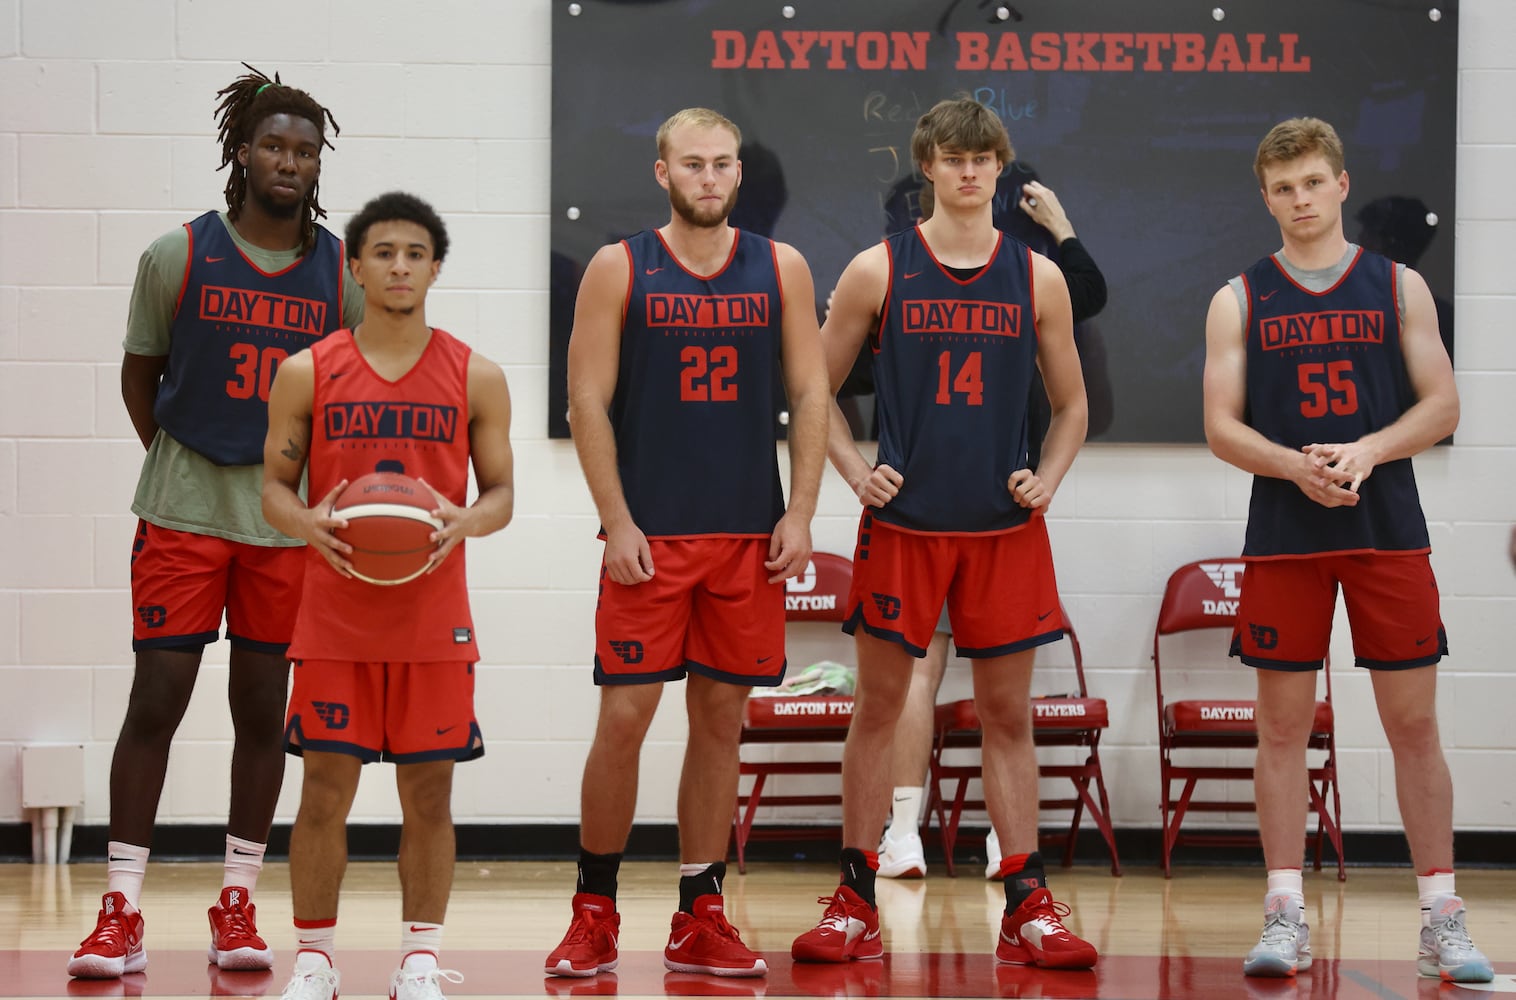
817 595
1204 595
1067 720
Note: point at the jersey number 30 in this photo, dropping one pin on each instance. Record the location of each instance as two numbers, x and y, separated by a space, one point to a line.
254 370
708 374
1328 386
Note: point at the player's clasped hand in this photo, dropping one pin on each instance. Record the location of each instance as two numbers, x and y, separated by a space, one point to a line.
1028 490
1335 471
879 487
323 524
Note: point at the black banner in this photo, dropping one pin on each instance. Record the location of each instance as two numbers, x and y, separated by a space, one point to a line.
1142 117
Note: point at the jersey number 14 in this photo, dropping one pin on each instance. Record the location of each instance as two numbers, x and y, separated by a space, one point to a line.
968 382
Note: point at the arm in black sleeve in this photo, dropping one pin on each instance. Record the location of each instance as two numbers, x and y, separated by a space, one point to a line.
1087 292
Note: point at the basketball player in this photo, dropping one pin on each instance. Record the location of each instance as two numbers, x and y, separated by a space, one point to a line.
384 673
958 315
217 305
1324 374
1041 218
681 338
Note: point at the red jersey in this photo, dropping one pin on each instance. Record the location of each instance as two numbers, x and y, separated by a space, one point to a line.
418 425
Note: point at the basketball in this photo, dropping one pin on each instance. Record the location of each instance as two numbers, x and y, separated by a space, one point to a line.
389 525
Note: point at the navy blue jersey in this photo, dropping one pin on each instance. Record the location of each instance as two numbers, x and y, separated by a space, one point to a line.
953 366
1327 368
233 325
694 408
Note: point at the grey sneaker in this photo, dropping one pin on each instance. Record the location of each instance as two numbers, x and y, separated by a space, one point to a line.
1446 950
1284 948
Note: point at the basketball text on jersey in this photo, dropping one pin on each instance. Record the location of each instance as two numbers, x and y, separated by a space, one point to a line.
269 310
985 319
708 311
417 421
1315 329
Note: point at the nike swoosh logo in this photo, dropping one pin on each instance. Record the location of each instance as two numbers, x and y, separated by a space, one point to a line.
1423 642
764 659
902 798
652 270
245 854
1266 296
910 274
1044 615
417 930
336 374
443 732
214 260
676 945
114 858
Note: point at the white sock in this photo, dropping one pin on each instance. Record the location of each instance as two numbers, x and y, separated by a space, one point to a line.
314 938
244 860
905 811
309 960
1428 888
697 868
126 867
420 943
1286 882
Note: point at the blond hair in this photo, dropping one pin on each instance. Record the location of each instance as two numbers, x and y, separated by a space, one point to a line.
964 125
699 118
1297 137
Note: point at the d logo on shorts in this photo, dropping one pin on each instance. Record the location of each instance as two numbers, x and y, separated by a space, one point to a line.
1264 636
629 651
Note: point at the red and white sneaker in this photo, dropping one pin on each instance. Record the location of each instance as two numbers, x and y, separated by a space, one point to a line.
1035 935
848 929
235 943
590 944
705 942
115 946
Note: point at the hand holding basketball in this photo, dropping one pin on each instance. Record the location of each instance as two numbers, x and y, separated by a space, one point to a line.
454 528
323 533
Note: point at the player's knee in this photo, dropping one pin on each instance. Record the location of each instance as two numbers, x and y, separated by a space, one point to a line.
429 800
151 719
1414 729
327 790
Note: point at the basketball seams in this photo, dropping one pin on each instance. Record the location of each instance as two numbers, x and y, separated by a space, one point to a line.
381 509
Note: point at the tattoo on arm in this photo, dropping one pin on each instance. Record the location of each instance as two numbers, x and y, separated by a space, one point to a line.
295 451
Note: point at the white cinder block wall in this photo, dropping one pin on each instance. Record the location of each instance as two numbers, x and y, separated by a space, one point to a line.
106 140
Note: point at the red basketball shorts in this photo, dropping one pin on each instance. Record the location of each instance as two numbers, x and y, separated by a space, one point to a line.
709 609
1284 616
407 713
183 582
1000 590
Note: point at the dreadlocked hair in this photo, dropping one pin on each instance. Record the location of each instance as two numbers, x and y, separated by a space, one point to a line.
245 103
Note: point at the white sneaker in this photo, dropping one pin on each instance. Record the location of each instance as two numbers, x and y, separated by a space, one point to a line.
421 984
992 856
901 858
315 983
1284 947
1446 949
